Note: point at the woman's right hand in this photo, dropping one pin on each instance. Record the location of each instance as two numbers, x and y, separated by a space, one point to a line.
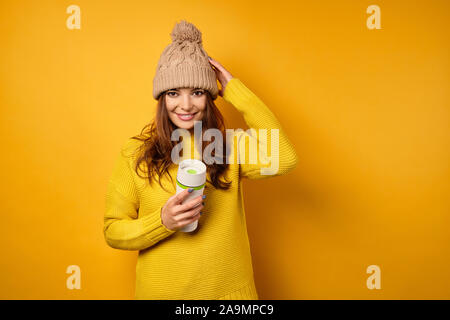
175 215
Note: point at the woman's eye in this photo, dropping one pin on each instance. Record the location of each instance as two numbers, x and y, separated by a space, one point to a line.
174 94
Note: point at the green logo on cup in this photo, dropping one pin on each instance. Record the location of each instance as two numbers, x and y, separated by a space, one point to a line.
192 171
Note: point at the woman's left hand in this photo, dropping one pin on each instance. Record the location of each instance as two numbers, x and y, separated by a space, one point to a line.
222 74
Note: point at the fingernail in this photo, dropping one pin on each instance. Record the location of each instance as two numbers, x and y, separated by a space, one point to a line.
204 196
190 190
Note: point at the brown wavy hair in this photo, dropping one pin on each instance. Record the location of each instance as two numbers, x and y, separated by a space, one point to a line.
155 151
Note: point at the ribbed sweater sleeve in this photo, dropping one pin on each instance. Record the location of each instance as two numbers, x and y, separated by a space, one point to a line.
123 229
257 115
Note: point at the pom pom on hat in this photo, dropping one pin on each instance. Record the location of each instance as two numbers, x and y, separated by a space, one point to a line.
185 31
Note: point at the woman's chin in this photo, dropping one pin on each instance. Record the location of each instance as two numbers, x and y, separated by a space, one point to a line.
188 125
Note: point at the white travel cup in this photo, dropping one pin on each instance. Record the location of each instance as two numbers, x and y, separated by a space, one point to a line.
191 174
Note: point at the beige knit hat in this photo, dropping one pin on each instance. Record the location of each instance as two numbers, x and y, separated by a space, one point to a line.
184 63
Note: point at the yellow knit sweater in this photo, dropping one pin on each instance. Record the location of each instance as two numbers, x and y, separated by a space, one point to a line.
214 261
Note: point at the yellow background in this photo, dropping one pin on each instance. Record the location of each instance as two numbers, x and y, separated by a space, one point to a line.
367 111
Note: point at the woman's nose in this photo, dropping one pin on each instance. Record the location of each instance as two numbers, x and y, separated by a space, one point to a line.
186 103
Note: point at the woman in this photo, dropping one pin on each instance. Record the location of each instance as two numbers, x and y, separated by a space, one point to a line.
142 211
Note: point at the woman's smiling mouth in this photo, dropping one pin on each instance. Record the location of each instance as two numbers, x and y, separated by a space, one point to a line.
186 116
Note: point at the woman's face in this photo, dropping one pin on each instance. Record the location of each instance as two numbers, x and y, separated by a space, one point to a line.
185 105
